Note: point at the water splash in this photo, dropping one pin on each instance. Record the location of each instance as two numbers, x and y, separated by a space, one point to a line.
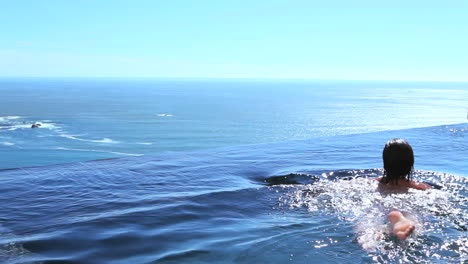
440 215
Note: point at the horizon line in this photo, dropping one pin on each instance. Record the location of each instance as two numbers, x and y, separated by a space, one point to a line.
225 78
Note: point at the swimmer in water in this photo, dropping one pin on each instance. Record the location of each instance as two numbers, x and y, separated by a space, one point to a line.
398 159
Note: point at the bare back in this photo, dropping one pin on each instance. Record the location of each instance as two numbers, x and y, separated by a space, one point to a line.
401 186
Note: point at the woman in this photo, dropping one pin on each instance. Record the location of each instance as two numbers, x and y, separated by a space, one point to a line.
398 159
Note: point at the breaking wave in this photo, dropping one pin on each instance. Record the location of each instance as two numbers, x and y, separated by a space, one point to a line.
103 140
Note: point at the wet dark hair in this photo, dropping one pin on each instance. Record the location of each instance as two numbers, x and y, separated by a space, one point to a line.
398 159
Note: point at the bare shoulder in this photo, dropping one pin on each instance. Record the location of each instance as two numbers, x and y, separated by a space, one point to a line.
419 185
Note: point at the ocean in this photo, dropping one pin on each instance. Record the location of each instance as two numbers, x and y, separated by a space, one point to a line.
227 171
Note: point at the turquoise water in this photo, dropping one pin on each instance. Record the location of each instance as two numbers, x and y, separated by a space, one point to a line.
96 118
309 199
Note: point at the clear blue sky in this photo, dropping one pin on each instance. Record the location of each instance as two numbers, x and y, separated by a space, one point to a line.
396 40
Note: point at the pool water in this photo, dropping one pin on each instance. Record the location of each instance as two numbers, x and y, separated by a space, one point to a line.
302 201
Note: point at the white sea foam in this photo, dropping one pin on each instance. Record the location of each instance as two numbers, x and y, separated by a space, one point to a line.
24 125
102 151
5 118
166 115
20 126
51 126
104 140
6 143
144 143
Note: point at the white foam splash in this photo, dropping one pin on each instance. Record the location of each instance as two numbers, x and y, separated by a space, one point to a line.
104 140
22 125
144 143
6 143
434 212
166 115
102 151
6 118
51 126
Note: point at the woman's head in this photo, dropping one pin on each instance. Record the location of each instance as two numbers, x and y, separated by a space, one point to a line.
398 159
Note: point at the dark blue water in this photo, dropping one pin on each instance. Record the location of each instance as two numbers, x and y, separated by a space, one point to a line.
228 205
297 201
